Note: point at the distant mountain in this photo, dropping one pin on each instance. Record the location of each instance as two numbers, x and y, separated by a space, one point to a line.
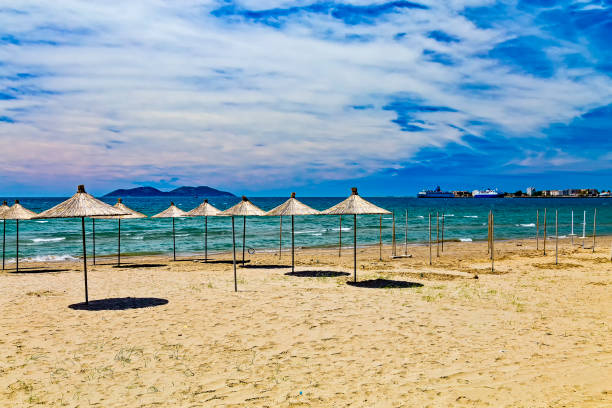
201 191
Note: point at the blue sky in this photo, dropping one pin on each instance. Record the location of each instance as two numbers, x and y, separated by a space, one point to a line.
266 97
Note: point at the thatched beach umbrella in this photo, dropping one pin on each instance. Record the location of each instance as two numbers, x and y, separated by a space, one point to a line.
244 208
172 212
204 210
81 205
132 214
292 207
355 205
3 208
17 212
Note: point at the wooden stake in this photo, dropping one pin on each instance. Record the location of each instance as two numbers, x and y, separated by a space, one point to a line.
594 228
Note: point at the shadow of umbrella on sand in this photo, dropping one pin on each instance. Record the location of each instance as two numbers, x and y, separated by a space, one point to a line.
355 205
204 210
172 212
81 205
133 214
292 207
244 208
3 208
17 212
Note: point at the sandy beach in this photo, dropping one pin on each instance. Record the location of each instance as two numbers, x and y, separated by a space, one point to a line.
532 334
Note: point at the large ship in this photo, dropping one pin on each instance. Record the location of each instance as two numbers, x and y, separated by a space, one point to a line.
437 193
488 193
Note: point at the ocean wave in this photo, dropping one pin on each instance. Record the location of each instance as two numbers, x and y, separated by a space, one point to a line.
338 229
42 222
45 258
526 225
37 240
449 215
420 216
465 239
470 216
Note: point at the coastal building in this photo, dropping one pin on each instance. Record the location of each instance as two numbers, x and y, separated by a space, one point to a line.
530 191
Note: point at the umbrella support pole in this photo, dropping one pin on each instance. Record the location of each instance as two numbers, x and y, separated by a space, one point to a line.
84 260
205 239
292 244
380 239
437 235
119 244
243 237
430 238
556 237
3 242
280 238
234 254
355 246
406 235
93 228
17 243
537 230
340 240
173 240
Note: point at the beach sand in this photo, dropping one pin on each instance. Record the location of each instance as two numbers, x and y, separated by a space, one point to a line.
532 334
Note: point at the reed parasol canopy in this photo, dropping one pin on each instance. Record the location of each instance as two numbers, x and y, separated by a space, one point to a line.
3 208
204 210
244 208
131 214
355 205
17 212
292 207
81 205
172 212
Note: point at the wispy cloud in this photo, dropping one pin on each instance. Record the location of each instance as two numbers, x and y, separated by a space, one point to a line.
248 94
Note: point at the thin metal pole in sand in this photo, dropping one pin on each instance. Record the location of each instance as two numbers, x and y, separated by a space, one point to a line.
17 243
234 254
489 233
119 243
443 232
406 235
292 244
492 242
340 240
205 238
537 230
84 260
173 240
380 238
93 226
437 234
583 228
3 242
393 247
545 231
355 246
556 237
430 238
280 238
594 228
243 237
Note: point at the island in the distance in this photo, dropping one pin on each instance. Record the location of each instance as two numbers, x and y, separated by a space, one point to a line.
201 191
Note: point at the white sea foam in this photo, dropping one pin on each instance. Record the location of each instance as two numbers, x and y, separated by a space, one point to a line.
449 215
420 216
470 216
45 258
343 229
37 240
526 225
465 239
41 222
317 234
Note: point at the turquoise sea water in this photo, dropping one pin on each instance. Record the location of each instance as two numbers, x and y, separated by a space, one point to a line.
465 219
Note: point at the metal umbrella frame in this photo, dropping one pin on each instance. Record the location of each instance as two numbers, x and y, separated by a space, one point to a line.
17 212
133 214
244 208
292 207
172 212
81 205
355 205
204 210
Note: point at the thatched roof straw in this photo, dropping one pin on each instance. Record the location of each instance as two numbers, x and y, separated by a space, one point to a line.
3 208
81 205
171 212
204 210
355 205
292 207
120 206
18 212
243 208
